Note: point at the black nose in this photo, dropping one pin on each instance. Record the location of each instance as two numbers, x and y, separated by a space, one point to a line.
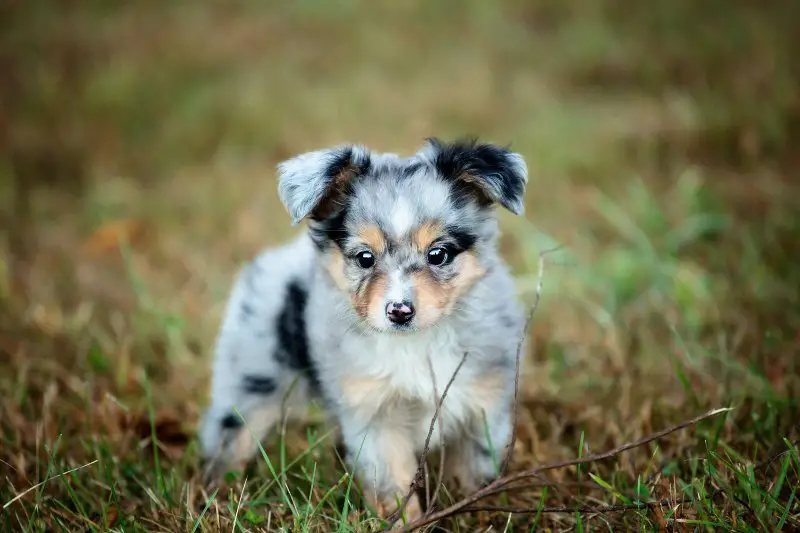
400 312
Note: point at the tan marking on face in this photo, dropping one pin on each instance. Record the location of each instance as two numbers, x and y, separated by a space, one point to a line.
370 296
435 299
469 272
431 297
335 267
373 237
424 236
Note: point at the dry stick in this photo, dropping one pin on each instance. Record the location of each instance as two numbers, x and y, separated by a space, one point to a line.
427 485
577 509
439 474
499 485
424 456
34 487
604 455
537 295
607 508
767 462
598 509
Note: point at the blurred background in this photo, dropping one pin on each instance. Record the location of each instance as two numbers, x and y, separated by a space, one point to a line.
138 145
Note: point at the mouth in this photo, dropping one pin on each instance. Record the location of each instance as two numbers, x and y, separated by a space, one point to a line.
408 327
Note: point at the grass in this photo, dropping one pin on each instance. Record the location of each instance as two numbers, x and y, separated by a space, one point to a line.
138 173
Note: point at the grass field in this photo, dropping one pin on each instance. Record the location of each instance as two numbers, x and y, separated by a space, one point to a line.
137 171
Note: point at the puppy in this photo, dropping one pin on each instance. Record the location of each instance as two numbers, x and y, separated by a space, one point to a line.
372 309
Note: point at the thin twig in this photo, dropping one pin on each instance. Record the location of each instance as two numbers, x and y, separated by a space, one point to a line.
536 297
767 462
590 509
427 486
34 487
424 456
439 474
503 482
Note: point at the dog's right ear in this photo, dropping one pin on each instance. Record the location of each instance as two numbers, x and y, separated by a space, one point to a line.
314 184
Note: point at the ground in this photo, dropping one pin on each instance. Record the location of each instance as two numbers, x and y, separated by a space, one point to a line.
139 145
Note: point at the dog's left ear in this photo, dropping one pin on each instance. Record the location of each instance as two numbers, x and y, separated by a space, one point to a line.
314 184
497 174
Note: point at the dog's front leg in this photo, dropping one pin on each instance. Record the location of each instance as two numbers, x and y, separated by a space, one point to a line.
383 459
474 458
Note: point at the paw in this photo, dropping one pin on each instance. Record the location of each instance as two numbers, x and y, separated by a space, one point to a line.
214 468
213 471
461 478
386 508
465 482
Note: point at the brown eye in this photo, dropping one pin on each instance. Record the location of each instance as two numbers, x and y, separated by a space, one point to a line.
365 259
437 256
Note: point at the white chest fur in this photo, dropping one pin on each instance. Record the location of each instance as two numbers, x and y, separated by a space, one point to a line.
392 377
405 361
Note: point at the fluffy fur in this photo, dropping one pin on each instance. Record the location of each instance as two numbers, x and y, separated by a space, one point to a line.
398 273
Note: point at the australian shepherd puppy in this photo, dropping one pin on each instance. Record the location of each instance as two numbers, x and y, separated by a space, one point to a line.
370 311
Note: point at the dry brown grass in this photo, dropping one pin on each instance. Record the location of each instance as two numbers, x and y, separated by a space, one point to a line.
137 174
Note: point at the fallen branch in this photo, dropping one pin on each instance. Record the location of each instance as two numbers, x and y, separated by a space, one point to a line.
500 484
599 509
584 509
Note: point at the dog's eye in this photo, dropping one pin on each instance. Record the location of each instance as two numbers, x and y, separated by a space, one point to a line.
437 256
365 259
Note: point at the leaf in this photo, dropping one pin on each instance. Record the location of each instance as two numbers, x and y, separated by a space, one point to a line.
109 237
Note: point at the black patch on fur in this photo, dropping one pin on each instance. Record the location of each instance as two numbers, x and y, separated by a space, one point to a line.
231 421
414 267
331 230
488 164
462 194
411 169
464 240
331 227
261 385
293 349
341 160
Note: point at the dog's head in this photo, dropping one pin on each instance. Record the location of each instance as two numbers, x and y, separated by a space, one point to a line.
404 238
